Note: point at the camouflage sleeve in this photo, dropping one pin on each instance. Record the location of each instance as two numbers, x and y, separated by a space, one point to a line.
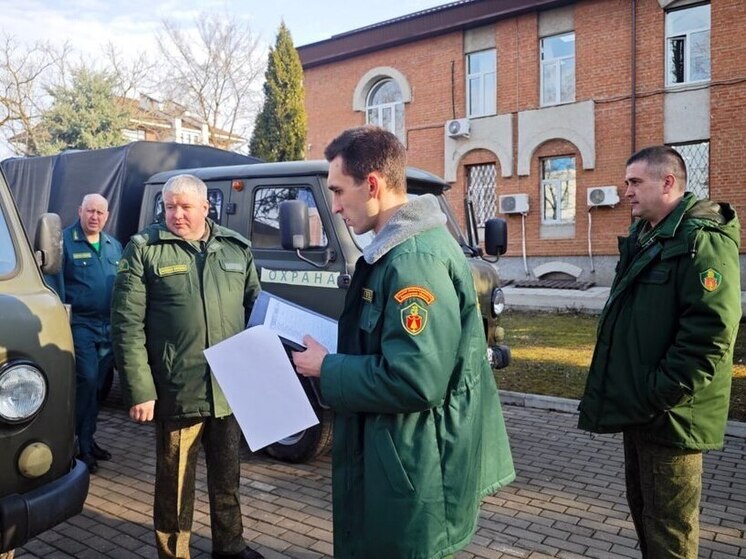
128 310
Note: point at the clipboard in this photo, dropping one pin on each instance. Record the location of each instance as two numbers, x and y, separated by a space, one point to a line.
291 322
265 312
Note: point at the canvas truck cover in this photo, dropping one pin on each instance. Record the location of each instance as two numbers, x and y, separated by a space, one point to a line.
57 183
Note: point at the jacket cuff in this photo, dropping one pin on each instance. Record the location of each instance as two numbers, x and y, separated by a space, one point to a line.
332 369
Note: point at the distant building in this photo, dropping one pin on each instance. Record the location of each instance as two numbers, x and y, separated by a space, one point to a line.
530 109
168 121
164 121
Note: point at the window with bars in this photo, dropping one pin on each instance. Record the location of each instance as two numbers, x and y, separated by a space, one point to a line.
481 191
697 159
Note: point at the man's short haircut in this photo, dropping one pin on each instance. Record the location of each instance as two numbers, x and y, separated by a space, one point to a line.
367 149
662 160
185 184
93 196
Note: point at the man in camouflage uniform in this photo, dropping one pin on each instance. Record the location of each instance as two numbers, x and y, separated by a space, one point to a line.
662 366
182 287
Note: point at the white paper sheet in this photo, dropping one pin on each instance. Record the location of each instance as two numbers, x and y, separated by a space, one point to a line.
292 323
261 386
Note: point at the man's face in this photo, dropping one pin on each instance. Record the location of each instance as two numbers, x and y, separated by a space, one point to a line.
185 215
351 199
646 192
93 215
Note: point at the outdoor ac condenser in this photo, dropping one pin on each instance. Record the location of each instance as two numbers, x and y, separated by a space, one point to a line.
457 128
603 196
513 203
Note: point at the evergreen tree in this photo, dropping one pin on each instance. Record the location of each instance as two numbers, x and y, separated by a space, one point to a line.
280 129
86 115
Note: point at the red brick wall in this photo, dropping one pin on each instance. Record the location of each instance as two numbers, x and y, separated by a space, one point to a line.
435 69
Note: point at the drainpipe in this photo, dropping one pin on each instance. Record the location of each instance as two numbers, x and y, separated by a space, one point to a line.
633 116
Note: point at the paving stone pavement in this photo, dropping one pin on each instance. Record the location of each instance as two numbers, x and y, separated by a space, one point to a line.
567 502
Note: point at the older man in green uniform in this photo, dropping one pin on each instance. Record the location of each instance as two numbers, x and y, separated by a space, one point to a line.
661 371
182 287
85 282
419 436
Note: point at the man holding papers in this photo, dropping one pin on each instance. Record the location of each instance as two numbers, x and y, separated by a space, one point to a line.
419 436
181 287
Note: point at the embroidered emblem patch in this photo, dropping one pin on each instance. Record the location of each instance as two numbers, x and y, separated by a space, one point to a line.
711 279
414 318
414 291
123 266
367 295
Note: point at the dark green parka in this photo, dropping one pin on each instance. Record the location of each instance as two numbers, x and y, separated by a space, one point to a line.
419 436
170 302
664 355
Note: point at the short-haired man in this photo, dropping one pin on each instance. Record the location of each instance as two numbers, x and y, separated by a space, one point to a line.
85 282
184 286
419 436
662 366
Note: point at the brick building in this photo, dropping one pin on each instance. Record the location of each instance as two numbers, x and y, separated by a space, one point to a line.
530 109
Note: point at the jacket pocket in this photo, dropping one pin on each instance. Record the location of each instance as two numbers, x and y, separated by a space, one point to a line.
392 465
234 276
172 281
370 317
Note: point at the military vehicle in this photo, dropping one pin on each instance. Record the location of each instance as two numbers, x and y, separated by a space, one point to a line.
315 269
41 482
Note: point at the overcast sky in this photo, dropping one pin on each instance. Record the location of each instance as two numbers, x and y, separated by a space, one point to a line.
131 24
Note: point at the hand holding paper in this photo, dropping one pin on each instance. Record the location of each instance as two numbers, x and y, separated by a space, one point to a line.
308 362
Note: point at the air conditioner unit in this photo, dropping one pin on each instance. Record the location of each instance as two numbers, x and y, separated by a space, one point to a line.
513 203
603 196
457 128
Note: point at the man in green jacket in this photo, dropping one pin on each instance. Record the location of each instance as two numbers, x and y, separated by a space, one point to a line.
662 366
419 436
182 287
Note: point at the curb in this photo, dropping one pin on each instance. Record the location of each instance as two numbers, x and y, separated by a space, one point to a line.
567 405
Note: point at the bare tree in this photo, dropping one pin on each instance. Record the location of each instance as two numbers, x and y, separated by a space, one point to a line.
133 74
215 72
26 73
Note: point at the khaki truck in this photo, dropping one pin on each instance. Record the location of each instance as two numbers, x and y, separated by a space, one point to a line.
306 254
41 482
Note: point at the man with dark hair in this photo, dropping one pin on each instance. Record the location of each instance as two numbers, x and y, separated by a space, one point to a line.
419 436
662 366
182 286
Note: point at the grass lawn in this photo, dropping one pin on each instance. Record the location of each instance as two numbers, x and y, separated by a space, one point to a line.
552 351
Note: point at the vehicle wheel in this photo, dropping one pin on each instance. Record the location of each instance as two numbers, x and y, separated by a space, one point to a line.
104 391
307 444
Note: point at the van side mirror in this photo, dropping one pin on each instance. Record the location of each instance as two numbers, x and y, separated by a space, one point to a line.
48 243
295 231
495 236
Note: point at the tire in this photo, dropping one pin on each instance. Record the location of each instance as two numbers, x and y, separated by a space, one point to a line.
305 445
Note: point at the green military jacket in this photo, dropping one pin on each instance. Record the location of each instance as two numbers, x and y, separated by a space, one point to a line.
664 355
171 301
419 436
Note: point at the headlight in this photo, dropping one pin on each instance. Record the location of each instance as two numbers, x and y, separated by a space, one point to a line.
498 301
23 390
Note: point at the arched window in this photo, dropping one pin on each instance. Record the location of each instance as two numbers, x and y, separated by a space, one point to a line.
385 107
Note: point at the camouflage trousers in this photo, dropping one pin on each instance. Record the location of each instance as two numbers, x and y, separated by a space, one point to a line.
664 485
177 450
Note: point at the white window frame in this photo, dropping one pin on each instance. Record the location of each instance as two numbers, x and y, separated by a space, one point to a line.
687 37
557 184
557 62
482 82
382 109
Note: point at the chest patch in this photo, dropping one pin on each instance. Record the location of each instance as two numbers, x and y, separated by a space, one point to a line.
416 292
710 279
414 318
367 295
173 269
80 255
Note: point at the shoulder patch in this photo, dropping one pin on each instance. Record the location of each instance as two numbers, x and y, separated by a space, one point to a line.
414 318
710 279
414 291
123 266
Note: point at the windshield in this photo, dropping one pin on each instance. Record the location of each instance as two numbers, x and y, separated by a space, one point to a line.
365 239
7 250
